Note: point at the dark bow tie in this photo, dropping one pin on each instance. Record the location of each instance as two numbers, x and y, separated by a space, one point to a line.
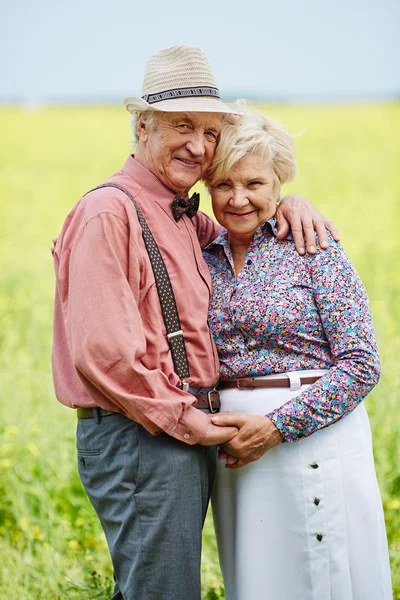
188 206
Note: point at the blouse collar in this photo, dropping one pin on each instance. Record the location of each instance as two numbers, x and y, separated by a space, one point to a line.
269 228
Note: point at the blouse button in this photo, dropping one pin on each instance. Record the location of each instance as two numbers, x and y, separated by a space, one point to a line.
186 436
316 501
313 465
319 537
249 262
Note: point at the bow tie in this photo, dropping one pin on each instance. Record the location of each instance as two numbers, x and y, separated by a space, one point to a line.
188 206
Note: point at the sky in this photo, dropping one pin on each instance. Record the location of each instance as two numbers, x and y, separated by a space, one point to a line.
95 51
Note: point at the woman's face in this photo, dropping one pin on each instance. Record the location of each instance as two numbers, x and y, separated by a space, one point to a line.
247 198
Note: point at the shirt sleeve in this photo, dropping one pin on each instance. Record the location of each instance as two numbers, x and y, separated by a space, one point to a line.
207 229
106 336
346 318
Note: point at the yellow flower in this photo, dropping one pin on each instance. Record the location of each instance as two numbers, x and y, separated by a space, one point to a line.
11 431
5 448
37 534
33 449
24 523
73 544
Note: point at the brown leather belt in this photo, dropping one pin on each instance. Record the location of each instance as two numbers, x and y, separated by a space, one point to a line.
210 401
93 413
252 383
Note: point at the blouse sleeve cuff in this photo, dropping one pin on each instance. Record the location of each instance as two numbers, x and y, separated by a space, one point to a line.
292 431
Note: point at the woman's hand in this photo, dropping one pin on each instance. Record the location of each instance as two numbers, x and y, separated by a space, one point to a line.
256 435
298 215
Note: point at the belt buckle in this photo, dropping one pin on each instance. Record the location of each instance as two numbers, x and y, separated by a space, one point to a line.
210 406
245 387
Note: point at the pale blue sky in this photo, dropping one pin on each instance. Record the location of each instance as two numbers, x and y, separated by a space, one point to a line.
301 50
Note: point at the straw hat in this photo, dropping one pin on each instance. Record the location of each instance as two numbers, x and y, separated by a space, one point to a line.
179 79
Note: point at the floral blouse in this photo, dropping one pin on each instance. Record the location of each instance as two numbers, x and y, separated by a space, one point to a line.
286 312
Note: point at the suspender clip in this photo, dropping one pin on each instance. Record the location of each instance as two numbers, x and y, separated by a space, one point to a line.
175 334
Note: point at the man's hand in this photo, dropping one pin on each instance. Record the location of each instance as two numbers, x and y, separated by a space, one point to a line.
257 435
304 220
218 435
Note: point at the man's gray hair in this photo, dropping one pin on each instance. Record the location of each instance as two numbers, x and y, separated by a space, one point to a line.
149 117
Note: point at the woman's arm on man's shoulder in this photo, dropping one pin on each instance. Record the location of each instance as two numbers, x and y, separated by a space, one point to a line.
298 215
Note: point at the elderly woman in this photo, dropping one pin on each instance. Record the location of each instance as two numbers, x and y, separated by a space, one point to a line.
303 518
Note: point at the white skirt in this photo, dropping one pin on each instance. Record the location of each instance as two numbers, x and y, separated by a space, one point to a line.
305 521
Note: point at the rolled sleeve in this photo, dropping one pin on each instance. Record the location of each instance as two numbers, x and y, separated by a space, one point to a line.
192 427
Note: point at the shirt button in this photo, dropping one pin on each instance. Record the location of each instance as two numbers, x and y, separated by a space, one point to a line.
186 436
313 465
248 262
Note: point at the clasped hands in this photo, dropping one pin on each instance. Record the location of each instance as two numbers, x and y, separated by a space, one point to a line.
242 439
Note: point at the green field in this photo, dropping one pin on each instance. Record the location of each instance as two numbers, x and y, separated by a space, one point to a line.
51 546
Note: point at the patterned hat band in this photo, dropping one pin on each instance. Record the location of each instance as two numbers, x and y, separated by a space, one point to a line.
179 79
188 92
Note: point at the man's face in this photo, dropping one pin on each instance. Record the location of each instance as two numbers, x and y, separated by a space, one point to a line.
179 150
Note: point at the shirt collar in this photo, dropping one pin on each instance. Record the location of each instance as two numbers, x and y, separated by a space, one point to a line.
150 184
270 227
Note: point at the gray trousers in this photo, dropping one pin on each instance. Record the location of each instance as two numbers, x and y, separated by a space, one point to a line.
151 495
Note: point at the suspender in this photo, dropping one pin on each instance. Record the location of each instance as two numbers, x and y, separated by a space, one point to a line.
165 294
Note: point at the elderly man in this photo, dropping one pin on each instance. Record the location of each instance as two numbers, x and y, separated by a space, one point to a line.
143 387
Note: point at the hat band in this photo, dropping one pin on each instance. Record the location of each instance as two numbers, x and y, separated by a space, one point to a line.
181 93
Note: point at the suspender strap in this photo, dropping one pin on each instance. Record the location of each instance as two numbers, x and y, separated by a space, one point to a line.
165 293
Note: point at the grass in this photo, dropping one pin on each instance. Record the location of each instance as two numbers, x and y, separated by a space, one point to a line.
51 545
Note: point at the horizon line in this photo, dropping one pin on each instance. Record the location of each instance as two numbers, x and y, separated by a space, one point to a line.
113 99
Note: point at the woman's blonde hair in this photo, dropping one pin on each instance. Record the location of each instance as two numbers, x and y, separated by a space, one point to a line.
253 133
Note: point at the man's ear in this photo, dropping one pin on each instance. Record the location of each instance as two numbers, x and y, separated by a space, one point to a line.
142 129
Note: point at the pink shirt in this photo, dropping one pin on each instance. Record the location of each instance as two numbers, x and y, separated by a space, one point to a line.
110 347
